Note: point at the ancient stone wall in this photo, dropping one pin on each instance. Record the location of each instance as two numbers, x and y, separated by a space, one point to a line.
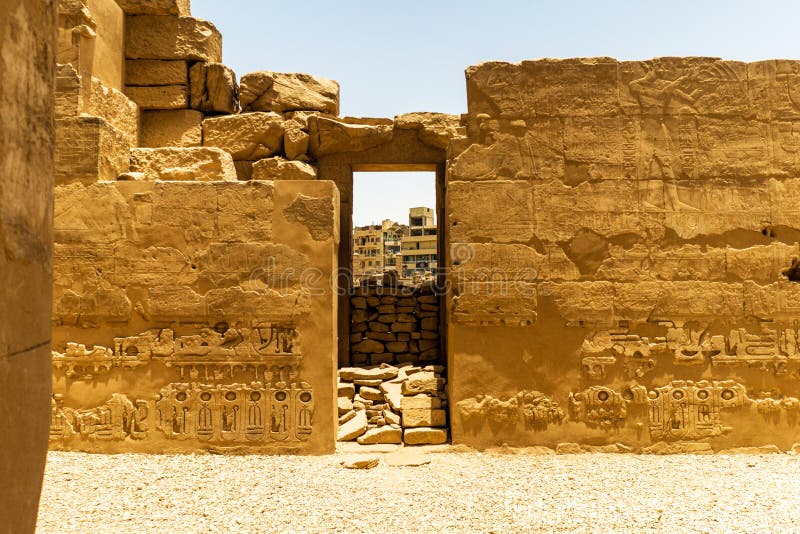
27 41
394 325
192 310
622 238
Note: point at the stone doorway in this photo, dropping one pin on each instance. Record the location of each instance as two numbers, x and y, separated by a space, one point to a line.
392 388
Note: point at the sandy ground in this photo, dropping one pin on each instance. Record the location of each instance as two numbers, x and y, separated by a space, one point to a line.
455 492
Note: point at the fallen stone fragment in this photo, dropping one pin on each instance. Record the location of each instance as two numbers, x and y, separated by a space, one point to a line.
370 393
383 434
361 462
356 373
425 436
353 428
344 405
280 92
423 382
346 390
278 168
569 448
763 449
680 447
213 88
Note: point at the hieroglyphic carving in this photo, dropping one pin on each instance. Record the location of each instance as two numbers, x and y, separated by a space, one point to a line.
118 419
685 410
535 410
776 350
679 410
253 413
265 349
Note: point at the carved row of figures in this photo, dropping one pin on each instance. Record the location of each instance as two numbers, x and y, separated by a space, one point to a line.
775 350
213 352
676 411
237 413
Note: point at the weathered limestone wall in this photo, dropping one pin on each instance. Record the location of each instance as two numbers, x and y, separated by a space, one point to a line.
618 233
27 41
192 310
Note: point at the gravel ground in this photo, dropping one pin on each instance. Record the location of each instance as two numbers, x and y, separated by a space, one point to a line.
455 492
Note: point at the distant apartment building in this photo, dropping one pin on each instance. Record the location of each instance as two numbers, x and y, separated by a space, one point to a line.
377 248
418 245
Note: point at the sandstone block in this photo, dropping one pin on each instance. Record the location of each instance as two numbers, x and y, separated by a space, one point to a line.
346 390
403 327
346 417
248 136
423 382
381 358
384 434
89 149
213 88
160 37
393 394
425 436
382 336
416 417
376 326
177 128
435 129
159 97
201 164
420 402
369 345
397 346
155 7
391 417
156 72
280 92
295 141
370 393
358 302
354 373
372 382
344 405
277 168
353 428
87 96
329 136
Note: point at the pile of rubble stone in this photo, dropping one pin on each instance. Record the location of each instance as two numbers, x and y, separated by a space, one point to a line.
394 325
387 404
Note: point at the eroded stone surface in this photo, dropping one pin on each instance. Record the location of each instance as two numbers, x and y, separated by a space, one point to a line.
279 92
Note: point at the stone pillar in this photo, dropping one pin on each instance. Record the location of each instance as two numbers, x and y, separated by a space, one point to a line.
27 68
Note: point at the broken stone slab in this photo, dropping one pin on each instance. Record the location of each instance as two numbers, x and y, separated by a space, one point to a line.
213 88
176 128
180 8
329 136
373 382
392 393
345 405
434 129
425 436
423 382
346 417
383 434
156 72
353 428
295 141
420 417
346 390
159 37
370 393
200 164
420 402
391 418
361 462
356 373
247 136
281 92
277 168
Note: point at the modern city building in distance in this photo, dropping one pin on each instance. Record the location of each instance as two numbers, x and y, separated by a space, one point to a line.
418 246
409 250
376 248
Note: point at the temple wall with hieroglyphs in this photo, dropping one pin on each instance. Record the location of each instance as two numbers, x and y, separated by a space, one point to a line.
618 243
632 226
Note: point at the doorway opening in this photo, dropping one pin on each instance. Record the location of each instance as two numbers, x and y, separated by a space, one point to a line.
394 379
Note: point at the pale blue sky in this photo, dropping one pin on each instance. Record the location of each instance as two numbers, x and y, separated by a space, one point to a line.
410 55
